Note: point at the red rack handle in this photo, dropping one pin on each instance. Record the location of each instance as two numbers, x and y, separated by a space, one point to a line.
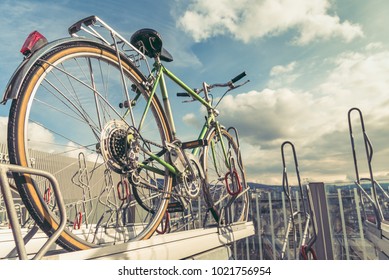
47 195
164 228
77 221
236 175
123 194
304 252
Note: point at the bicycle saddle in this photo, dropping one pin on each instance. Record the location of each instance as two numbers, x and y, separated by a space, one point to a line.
149 42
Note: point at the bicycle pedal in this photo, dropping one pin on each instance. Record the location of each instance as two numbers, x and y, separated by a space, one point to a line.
194 144
174 207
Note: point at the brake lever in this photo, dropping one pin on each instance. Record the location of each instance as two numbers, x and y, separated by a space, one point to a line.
232 86
189 101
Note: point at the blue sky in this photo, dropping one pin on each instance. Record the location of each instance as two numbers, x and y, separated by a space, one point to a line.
308 61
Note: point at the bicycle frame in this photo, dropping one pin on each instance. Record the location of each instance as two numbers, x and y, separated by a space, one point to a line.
141 172
86 25
159 80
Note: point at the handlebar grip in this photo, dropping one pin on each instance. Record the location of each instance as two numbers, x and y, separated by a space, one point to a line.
182 94
237 78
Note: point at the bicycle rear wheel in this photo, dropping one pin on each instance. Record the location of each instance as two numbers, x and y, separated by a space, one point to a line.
72 119
226 193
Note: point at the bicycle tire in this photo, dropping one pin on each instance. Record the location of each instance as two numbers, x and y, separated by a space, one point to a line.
56 99
216 192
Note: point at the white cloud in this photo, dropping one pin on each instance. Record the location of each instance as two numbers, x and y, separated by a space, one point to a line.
190 119
374 46
74 150
3 129
315 120
283 75
250 19
282 69
360 79
40 138
265 117
323 26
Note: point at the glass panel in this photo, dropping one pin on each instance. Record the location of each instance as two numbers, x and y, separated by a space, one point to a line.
270 213
346 220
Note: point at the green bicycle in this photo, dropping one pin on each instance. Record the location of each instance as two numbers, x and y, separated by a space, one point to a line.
83 110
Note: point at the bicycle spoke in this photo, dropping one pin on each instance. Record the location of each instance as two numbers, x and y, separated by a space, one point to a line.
84 116
91 146
106 102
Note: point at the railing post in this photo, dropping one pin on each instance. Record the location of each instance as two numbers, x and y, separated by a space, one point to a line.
323 242
12 215
8 200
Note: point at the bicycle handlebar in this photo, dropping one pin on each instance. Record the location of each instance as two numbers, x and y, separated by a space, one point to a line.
182 94
237 78
228 84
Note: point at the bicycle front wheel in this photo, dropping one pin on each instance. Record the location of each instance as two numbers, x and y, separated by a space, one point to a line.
73 118
226 192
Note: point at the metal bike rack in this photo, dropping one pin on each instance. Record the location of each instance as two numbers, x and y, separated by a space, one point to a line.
377 231
226 210
304 245
369 157
203 243
7 169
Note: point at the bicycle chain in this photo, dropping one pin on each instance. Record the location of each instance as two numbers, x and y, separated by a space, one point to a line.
153 143
175 194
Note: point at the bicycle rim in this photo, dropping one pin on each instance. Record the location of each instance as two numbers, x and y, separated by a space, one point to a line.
225 202
71 120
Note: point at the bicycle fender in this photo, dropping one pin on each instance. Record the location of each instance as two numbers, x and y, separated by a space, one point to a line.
12 90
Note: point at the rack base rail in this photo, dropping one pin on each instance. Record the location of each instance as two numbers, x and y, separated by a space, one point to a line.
204 243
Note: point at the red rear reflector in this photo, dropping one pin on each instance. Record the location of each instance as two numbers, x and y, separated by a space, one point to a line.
33 42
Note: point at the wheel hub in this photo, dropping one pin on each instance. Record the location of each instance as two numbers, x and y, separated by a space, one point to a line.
118 151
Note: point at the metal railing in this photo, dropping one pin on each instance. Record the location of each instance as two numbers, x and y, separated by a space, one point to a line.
6 170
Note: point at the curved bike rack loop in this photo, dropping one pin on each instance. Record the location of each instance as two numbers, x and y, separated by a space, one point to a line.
307 211
369 157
